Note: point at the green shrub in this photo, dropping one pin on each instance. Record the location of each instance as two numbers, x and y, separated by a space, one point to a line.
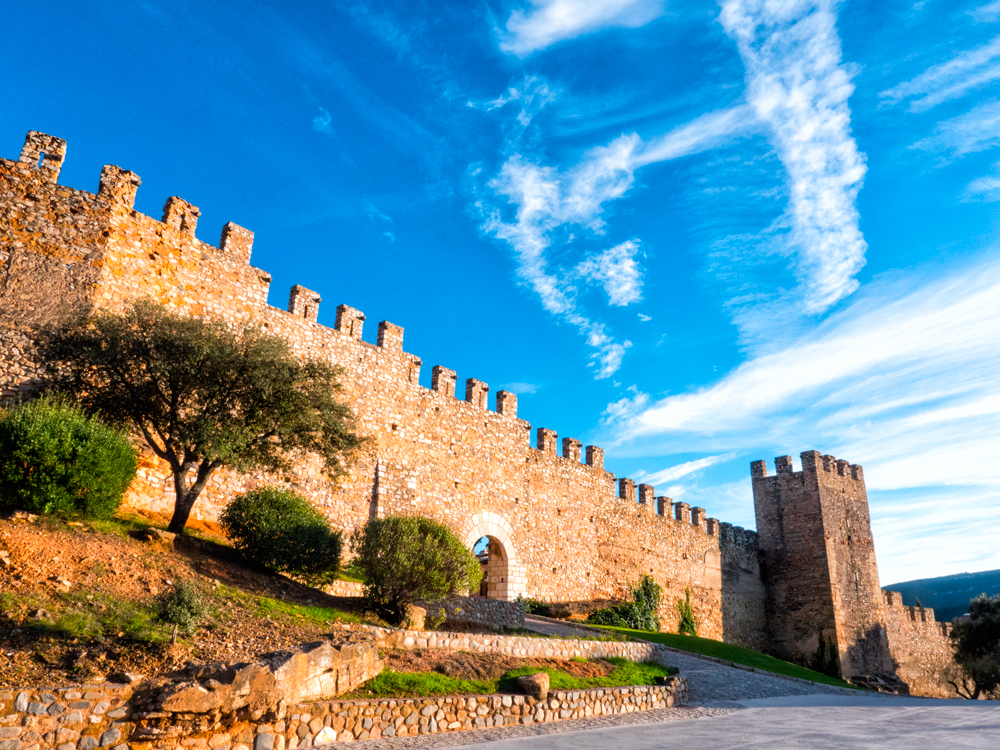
642 613
535 606
411 558
686 625
976 642
279 531
182 606
56 459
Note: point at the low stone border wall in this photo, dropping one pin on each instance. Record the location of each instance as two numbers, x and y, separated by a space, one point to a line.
345 588
347 721
493 614
514 645
77 718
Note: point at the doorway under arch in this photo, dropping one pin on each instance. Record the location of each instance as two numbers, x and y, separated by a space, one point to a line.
504 573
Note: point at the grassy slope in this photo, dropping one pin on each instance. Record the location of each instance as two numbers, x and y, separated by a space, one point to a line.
729 652
423 684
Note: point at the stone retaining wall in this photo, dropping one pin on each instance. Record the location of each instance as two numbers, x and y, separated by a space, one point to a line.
345 588
491 614
548 648
77 718
346 721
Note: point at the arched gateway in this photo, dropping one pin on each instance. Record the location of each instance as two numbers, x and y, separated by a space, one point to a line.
504 569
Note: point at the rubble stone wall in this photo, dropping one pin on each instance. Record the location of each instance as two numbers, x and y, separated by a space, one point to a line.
542 648
493 614
567 528
921 648
78 718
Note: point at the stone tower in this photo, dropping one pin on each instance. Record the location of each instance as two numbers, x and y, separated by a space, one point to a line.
819 569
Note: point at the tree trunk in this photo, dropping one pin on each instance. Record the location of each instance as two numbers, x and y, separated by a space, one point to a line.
185 497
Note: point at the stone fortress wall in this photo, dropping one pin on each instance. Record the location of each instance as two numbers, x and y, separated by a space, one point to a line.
561 527
821 575
920 647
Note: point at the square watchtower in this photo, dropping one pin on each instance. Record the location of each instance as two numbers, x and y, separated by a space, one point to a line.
815 538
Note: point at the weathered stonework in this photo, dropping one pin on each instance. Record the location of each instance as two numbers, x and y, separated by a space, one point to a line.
492 614
920 646
543 648
558 528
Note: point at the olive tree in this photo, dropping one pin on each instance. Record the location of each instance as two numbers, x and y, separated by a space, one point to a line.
976 641
410 558
202 395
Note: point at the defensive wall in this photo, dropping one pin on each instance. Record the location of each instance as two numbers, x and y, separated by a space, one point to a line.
920 646
560 525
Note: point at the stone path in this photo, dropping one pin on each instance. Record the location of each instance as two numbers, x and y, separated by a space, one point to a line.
709 683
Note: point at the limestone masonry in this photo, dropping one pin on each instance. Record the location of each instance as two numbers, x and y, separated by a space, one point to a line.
560 526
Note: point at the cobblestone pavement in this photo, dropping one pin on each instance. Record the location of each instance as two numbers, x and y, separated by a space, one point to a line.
708 682
458 739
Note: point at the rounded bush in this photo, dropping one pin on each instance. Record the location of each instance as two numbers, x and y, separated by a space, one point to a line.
56 459
280 532
411 558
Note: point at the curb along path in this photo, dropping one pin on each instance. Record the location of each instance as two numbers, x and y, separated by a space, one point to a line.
458 739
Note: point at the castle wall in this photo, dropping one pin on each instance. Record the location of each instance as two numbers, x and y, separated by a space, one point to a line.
819 557
566 531
921 647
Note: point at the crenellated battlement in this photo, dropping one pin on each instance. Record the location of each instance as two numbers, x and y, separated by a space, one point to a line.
812 463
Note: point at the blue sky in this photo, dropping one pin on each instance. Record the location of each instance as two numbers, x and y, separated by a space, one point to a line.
696 234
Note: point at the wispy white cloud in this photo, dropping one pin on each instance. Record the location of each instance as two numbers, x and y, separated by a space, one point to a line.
797 85
673 473
545 199
976 130
904 381
645 318
953 79
986 189
988 13
904 378
321 122
551 21
519 388
617 271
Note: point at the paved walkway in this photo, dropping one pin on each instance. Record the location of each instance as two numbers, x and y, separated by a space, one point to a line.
830 722
709 683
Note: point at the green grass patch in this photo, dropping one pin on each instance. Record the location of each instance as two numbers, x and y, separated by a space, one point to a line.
265 606
730 652
352 573
124 525
97 618
391 684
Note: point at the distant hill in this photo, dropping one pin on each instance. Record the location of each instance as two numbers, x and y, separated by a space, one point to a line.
948 595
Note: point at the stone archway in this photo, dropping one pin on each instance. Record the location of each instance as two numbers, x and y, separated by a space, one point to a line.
504 569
